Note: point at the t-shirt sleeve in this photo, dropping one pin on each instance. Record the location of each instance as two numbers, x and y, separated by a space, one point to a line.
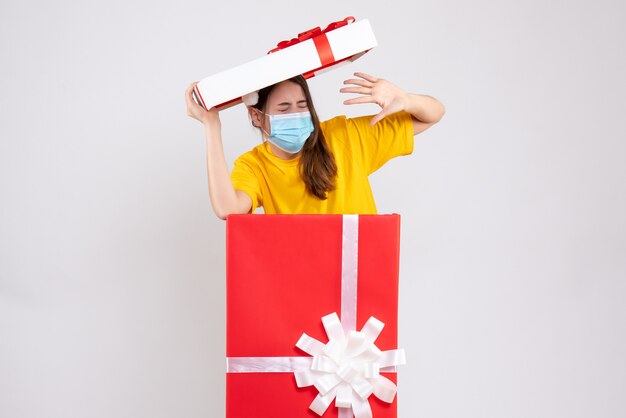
390 137
244 179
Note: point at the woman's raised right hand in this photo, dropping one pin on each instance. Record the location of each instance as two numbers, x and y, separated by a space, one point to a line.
197 112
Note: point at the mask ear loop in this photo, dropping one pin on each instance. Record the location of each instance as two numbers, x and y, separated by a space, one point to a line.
261 127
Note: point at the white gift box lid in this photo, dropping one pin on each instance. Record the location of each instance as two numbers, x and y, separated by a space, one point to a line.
313 52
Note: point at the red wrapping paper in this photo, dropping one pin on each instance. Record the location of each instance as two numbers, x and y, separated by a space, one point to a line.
283 275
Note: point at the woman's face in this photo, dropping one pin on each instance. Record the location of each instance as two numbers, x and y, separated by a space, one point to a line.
286 97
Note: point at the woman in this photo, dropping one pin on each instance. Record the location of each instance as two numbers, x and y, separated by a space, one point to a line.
308 166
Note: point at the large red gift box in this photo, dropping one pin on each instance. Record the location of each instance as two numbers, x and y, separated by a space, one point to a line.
284 273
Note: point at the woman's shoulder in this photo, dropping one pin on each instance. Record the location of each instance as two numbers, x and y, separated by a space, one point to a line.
341 127
361 125
337 133
334 130
335 119
334 122
335 127
251 157
345 122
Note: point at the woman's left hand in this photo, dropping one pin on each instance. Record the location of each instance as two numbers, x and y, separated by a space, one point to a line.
387 95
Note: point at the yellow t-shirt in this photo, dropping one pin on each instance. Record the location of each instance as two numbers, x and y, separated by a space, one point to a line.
359 150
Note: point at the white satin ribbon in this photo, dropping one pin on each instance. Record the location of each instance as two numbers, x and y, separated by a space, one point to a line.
267 364
349 271
346 368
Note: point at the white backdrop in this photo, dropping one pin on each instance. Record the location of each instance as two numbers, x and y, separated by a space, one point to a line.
513 244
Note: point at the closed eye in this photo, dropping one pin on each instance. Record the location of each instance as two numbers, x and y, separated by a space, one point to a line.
286 106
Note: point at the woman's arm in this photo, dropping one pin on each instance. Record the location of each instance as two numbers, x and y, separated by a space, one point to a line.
225 200
426 110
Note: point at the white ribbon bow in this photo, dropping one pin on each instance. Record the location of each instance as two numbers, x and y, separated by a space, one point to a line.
347 368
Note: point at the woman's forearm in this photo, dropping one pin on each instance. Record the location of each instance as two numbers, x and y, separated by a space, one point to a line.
424 108
221 191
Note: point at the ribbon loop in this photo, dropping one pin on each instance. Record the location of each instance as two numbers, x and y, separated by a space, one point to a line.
371 370
356 344
347 373
361 408
332 326
323 364
306 378
363 388
372 329
326 383
309 34
321 402
344 397
371 353
392 358
384 389
309 345
335 25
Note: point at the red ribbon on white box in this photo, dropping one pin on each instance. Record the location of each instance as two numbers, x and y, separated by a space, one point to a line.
346 368
310 53
324 50
312 33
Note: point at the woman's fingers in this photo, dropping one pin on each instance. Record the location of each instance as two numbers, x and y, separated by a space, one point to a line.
190 89
358 90
363 83
367 77
378 118
193 109
375 90
188 97
359 100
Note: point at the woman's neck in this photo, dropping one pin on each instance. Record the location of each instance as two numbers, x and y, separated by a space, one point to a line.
283 155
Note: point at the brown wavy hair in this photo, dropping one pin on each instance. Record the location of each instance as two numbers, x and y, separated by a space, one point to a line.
317 164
